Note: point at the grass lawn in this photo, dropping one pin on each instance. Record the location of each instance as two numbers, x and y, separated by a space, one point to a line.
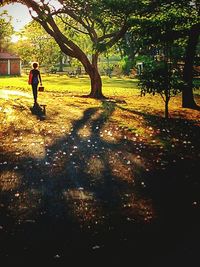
119 88
110 181
63 83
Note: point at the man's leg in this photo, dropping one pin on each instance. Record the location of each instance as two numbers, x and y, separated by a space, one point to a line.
34 88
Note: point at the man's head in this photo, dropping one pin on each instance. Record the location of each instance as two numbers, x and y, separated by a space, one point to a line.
35 65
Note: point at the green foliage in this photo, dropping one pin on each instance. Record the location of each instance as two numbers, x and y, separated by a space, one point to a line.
36 45
160 77
129 46
165 21
126 65
146 59
6 29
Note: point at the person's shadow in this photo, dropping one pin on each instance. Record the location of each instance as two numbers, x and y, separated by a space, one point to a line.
39 111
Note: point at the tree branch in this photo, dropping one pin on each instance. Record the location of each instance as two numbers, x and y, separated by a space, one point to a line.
71 26
117 36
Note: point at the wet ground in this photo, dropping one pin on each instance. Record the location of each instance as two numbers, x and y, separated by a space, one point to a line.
77 188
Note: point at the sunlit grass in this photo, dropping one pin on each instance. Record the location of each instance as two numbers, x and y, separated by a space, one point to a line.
128 110
63 83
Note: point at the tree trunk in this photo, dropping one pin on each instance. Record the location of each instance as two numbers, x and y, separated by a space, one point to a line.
167 98
187 93
166 109
96 84
60 62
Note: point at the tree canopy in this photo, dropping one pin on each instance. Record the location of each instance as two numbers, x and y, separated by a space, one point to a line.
36 45
175 24
6 29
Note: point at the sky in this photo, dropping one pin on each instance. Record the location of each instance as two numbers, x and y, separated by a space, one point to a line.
19 13
20 16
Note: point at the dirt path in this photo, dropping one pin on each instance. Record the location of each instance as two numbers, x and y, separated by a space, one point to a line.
73 180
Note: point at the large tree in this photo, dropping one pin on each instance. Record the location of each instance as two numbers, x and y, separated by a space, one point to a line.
185 18
170 23
178 21
192 43
104 22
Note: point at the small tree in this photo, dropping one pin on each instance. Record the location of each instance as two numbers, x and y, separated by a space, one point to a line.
161 77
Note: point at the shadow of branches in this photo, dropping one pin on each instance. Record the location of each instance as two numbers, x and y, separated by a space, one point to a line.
91 196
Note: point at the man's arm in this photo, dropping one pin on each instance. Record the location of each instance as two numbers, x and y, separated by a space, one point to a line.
40 78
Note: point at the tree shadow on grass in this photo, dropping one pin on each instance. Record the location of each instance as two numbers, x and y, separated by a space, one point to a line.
173 184
86 200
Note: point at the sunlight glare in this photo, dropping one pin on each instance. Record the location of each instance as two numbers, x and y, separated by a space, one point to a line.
14 38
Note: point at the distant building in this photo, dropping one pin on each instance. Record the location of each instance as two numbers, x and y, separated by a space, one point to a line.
9 64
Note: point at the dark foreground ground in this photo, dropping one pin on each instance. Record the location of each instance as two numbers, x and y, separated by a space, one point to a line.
97 195
52 235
